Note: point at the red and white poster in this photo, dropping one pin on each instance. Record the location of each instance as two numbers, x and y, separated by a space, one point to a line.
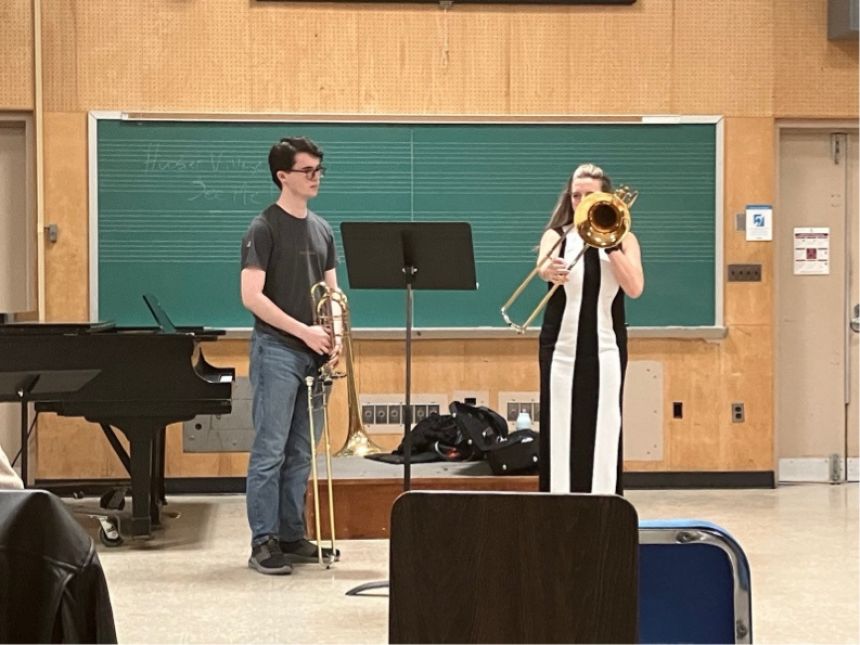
812 251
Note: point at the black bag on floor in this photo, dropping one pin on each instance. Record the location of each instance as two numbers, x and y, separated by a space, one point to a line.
482 427
516 454
434 438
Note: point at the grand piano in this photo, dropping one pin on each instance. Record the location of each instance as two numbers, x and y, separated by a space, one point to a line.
134 379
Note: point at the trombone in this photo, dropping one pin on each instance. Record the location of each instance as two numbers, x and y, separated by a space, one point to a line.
325 299
331 312
311 381
602 220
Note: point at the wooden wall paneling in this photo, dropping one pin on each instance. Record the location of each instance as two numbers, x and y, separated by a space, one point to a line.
73 448
66 194
746 357
723 57
304 60
541 45
689 366
61 72
387 63
813 77
381 370
746 370
661 57
433 61
693 442
473 60
179 56
16 52
749 179
69 447
591 60
501 364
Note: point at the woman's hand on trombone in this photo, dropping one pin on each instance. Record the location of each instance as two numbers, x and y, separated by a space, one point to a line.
555 271
552 268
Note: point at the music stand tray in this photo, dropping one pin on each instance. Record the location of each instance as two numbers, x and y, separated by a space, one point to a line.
24 386
440 253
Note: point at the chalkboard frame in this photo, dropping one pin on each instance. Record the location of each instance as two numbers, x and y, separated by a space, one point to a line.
717 330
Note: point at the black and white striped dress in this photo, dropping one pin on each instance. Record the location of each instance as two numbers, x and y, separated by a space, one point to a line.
583 357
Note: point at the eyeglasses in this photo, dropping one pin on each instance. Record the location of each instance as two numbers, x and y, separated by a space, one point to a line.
310 172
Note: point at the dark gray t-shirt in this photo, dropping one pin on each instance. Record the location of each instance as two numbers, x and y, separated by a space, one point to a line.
295 253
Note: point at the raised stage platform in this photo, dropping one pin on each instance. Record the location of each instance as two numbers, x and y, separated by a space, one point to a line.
365 490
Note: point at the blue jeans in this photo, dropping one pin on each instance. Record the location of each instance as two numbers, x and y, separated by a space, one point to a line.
281 455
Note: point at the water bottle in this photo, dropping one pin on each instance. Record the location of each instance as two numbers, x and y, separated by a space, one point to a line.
524 421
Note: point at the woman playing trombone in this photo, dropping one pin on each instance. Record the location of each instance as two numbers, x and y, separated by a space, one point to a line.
583 347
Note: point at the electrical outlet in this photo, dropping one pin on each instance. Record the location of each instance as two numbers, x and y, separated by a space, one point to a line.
367 415
385 413
380 414
737 412
420 413
394 414
744 273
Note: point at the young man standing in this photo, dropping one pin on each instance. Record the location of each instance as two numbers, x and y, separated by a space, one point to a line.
286 250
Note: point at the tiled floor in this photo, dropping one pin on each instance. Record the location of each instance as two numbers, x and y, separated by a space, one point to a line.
191 583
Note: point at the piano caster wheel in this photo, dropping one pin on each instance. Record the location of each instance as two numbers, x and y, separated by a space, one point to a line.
108 533
113 500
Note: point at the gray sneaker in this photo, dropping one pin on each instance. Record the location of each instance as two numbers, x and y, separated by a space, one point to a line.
306 551
268 558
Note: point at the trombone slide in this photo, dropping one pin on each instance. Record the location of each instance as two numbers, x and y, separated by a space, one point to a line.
521 329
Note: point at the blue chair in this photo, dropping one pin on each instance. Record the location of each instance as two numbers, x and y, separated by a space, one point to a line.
694 584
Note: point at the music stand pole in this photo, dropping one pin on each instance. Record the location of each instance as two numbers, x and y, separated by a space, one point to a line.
23 393
25 444
409 271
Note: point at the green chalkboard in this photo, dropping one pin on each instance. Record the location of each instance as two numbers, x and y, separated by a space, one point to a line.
173 199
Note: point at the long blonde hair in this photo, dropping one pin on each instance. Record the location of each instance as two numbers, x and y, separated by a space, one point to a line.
562 214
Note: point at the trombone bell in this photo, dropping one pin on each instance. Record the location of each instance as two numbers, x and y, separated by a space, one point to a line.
603 219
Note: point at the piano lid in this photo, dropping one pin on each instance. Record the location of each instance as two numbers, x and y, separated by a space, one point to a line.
56 327
159 314
165 325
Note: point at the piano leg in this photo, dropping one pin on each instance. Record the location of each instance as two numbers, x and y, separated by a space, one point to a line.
156 492
142 439
145 465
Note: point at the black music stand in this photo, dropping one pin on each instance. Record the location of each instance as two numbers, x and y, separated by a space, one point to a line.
409 256
25 386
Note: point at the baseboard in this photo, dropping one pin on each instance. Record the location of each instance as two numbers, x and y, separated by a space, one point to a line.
216 485
815 469
700 479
